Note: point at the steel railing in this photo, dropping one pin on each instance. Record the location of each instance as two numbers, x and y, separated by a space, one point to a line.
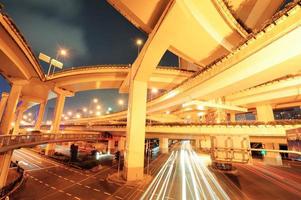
10 142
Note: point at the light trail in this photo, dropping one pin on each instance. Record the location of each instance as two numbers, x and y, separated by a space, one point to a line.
192 178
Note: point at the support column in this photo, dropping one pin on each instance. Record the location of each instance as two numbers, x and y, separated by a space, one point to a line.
163 145
59 107
121 144
205 143
3 101
111 146
5 127
135 132
221 116
197 144
232 117
40 116
19 118
272 158
265 113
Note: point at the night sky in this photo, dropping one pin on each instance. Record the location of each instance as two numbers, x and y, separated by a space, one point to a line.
92 31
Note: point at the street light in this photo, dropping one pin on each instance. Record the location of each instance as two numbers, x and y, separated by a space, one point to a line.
53 62
121 103
95 100
139 42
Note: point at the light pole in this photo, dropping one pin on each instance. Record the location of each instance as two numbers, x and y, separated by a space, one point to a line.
139 42
120 103
53 62
61 52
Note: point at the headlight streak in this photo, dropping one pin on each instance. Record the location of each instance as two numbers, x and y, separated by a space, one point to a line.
183 174
166 181
157 179
196 180
192 175
204 170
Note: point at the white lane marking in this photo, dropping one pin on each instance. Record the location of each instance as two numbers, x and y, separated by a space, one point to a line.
53 187
47 184
87 186
29 170
61 191
69 194
107 193
97 190
118 197
78 183
77 198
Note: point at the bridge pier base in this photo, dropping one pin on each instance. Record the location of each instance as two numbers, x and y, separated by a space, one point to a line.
6 126
163 145
197 143
135 132
121 144
5 160
50 149
272 158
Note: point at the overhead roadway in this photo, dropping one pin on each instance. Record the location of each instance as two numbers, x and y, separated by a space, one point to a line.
265 56
111 76
202 46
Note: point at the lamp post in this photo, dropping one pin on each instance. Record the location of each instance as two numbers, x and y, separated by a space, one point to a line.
53 62
61 52
139 42
120 103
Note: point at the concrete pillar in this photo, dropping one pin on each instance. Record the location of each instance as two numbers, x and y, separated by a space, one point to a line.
58 111
111 146
197 143
10 110
5 127
163 145
221 116
272 158
232 117
205 143
40 116
3 101
135 131
5 160
19 118
121 144
265 113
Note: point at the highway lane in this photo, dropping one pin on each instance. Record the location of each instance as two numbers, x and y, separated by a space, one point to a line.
185 176
50 180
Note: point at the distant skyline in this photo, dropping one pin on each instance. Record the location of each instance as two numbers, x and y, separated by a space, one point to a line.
93 32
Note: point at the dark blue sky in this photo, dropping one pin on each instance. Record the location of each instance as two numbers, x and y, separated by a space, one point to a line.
92 31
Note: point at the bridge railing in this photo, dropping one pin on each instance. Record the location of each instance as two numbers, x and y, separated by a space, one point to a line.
9 142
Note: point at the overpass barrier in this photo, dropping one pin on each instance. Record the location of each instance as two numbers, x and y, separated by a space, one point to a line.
10 142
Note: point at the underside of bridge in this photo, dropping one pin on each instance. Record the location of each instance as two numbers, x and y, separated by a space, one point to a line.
245 60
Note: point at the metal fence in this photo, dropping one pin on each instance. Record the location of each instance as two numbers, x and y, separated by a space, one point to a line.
10 142
10 187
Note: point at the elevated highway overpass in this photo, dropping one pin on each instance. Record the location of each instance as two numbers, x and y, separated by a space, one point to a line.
230 58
